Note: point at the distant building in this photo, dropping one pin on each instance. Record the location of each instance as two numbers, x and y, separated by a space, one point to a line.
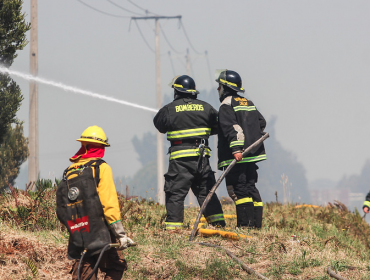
323 196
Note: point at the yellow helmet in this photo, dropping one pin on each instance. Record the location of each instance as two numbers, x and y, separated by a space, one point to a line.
94 134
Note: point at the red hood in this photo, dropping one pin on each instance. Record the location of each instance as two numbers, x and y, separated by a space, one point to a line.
94 151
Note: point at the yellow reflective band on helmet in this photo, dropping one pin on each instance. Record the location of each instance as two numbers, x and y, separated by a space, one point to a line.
241 88
188 153
257 203
243 200
247 159
177 85
191 90
236 143
94 134
229 83
367 203
180 134
94 138
244 108
170 225
215 218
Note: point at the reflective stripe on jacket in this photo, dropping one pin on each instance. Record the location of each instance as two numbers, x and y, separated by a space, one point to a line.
188 153
183 134
244 159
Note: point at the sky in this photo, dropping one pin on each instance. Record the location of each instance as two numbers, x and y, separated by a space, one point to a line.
305 62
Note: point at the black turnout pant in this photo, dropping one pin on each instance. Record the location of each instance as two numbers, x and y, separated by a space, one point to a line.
241 186
182 175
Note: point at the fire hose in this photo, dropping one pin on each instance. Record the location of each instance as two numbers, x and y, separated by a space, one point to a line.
212 191
105 248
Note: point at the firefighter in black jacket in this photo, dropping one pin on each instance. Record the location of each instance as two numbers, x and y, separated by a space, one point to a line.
188 123
240 125
366 206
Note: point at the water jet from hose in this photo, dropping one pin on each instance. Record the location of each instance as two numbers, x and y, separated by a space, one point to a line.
31 78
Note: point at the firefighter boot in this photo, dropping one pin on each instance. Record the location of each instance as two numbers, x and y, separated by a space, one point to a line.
218 224
245 214
258 210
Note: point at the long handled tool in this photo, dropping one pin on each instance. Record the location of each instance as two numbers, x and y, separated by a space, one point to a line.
107 247
227 170
243 265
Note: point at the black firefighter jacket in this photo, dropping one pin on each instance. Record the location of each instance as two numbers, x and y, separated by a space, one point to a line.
240 125
184 120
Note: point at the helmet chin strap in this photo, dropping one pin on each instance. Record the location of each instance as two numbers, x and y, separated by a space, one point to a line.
221 91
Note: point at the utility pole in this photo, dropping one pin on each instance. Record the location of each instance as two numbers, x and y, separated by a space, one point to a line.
33 160
160 159
160 143
187 57
191 196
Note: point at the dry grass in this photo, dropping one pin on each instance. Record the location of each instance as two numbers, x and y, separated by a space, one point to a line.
16 247
325 236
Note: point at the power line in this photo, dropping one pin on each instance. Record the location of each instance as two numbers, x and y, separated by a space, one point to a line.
165 37
183 64
146 42
145 10
142 36
186 35
122 8
99 11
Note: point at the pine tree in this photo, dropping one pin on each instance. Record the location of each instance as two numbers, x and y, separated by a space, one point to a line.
13 145
13 152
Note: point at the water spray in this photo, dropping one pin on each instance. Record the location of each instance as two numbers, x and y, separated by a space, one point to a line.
29 77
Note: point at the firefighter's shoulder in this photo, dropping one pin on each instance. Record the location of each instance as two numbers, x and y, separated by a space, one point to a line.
241 101
226 101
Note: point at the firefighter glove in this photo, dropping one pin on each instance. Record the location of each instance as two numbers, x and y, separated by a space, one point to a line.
125 242
120 234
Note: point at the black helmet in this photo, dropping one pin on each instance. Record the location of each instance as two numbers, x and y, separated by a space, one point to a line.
230 79
184 84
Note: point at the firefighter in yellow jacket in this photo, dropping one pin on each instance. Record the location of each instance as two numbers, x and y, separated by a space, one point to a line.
87 204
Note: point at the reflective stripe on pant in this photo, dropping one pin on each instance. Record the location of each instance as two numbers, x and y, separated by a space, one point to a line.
170 225
241 186
258 213
215 218
243 200
181 176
